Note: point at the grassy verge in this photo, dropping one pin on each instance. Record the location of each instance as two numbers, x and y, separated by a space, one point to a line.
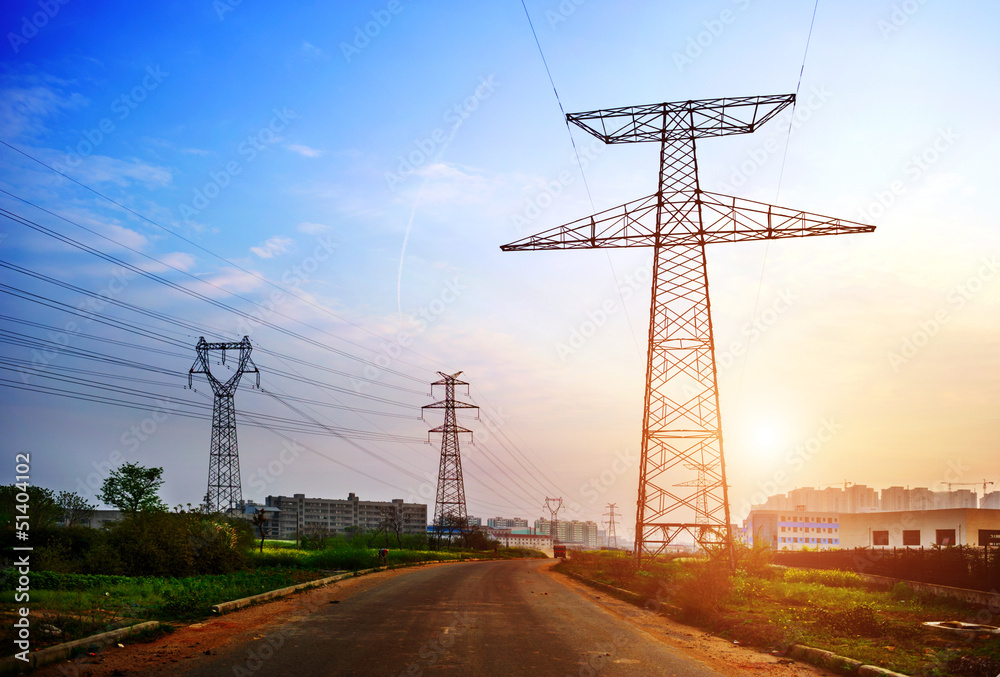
773 608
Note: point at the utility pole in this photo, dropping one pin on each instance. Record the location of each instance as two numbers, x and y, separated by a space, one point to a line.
612 539
224 489
681 421
449 505
554 505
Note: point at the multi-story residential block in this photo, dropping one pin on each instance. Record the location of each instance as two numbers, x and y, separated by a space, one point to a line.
332 515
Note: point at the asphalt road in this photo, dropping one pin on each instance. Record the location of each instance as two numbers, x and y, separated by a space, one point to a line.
474 619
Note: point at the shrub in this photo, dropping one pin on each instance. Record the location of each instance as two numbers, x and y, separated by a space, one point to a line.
703 588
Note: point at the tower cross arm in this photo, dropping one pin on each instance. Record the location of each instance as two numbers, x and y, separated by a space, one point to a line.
732 219
632 224
445 404
723 218
694 119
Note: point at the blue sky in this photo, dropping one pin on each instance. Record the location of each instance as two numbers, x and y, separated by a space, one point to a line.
374 156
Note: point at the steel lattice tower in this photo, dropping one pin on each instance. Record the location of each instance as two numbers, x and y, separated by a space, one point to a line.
554 505
681 426
224 489
612 538
449 506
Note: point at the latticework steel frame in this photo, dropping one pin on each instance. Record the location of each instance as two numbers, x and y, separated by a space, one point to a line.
682 475
449 506
224 488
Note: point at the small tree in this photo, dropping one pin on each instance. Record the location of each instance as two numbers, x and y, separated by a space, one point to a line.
75 508
260 521
391 521
133 488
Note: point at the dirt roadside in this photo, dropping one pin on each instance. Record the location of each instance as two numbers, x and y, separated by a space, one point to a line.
174 653
719 654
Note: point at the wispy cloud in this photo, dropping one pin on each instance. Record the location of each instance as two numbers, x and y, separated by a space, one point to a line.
24 109
312 228
273 247
304 150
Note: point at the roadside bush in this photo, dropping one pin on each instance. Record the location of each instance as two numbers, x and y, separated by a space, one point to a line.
702 588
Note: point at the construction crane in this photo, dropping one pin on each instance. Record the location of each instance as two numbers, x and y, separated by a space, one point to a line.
837 484
967 484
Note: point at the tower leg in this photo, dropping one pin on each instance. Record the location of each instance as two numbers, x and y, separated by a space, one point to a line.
681 430
224 489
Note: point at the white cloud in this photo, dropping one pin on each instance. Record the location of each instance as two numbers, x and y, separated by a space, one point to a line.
23 109
104 169
304 150
273 247
312 228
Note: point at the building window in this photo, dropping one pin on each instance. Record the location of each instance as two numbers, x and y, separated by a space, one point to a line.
944 537
989 537
880 538
911 536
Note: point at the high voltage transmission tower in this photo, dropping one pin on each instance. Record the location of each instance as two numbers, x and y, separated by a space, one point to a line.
449 507
553 505
612 538
681 426
224 489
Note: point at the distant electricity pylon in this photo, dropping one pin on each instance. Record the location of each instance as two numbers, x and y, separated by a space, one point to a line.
449 506
612 539
681 423
224 489
554 505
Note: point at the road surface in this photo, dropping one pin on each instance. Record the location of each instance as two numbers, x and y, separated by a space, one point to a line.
470 619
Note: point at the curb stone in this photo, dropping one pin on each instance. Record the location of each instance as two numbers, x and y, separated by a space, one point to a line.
62 652
808 654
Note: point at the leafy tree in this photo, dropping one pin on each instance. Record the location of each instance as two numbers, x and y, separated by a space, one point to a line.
133 488
76 510
42 509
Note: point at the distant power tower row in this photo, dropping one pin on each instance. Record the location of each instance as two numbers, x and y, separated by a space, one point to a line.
682 474
553 505
612 538
450 513
224 488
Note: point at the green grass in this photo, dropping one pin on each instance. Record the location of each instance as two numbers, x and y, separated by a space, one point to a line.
778 607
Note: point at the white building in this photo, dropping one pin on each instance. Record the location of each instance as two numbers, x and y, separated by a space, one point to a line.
570 532
793 529
338 515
